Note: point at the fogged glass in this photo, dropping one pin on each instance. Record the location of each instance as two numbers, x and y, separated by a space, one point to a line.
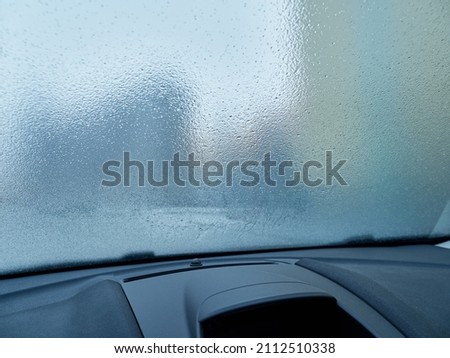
81 83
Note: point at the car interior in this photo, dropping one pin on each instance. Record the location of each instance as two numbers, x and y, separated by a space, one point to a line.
377 291
200 168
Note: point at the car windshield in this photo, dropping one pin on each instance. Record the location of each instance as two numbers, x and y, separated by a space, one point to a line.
147 129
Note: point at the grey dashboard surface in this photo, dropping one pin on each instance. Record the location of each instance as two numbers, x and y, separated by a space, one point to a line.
414 296
174 305
98 309
172 298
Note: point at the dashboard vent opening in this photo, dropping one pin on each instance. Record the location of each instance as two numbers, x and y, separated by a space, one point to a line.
305 317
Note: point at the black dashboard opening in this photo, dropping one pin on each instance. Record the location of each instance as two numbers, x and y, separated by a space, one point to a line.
305 317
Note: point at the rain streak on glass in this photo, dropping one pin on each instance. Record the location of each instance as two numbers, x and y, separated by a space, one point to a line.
82 82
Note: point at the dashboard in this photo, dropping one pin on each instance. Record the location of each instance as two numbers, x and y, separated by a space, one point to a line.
391 291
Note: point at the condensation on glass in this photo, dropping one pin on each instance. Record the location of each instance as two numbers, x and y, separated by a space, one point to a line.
83 82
